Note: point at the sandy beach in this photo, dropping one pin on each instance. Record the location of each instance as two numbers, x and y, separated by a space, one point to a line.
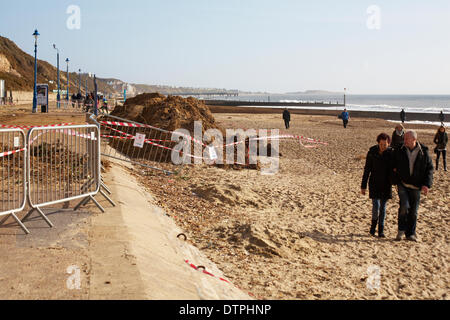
304 233
300 234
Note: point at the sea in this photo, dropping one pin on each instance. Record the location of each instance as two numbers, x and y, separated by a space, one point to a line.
386 103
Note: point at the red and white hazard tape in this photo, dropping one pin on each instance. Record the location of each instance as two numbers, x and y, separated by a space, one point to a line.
31 127
154 144
221 279
126 136
8 153
279 137
77 134
131 137
69 132
134 125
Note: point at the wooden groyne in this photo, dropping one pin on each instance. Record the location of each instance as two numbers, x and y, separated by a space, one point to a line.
236 103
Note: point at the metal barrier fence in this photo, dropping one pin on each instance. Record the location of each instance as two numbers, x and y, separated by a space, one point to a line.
63 165
152 147
135 142
66 106
13 174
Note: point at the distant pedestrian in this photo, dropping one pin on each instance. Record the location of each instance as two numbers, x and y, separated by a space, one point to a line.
287 118
403 116
104 107
442 117
74 98
413 172
377 172
441 140
345 118
398 137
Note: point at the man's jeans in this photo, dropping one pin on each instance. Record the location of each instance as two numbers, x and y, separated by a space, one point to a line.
409 206
379 211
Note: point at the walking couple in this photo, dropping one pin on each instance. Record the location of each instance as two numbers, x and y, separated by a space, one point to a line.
410 168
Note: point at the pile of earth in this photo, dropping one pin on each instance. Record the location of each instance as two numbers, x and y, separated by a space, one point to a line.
168 113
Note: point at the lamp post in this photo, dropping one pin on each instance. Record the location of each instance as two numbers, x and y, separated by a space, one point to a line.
95 96
86 86
345 102
58 97
79 81
36 35
67 97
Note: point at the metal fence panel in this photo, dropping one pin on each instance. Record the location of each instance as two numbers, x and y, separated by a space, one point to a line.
13 172
63 164
120 141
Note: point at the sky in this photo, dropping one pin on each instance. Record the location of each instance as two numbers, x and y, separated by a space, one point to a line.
369 47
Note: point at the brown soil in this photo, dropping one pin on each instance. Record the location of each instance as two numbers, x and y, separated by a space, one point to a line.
168 113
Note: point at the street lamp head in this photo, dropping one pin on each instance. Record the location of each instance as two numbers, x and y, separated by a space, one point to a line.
67 60
36 34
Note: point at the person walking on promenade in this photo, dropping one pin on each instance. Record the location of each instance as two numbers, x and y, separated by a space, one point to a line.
74 98
441 140
287 118
398 137
403 116
442 117
377 172
345 117
413 173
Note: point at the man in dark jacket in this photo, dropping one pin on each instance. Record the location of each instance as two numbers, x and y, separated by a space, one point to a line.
442 117
413 172
287 118
345 116
377 167
403 116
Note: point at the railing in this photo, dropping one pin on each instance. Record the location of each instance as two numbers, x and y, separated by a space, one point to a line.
13 174
52 165
135 142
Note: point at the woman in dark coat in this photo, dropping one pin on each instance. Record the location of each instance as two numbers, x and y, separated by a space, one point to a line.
398 137
377 173
441 140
